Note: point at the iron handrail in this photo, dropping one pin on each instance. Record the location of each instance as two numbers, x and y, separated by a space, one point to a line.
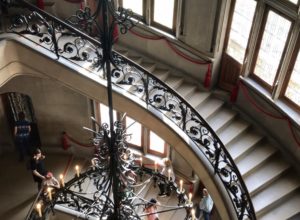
33 203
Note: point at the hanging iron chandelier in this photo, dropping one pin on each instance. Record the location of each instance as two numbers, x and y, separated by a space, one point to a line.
118 179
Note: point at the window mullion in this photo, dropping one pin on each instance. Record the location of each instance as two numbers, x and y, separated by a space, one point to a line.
145 140
283 7
253 38
97 111
148 11
283 71
117 3
178 20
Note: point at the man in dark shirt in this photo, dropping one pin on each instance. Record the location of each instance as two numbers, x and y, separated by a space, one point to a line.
22 134
37 167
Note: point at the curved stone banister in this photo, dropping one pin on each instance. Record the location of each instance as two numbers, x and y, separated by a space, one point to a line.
84 51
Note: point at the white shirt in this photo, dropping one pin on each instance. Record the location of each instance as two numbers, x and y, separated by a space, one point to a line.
206 204
165 172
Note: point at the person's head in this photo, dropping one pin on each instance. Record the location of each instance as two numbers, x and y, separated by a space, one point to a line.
152 202
205 192
21 116
37 152
167 162
49 175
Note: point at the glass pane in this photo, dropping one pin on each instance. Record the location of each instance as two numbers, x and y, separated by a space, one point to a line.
293 89
135 5
156 143
164 12
135 131
104 115
271 48
240 28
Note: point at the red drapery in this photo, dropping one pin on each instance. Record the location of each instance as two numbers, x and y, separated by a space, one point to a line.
40 4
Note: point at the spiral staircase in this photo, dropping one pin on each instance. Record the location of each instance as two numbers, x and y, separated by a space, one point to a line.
272 182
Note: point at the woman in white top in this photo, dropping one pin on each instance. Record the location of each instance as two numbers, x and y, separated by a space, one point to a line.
168 172
206 205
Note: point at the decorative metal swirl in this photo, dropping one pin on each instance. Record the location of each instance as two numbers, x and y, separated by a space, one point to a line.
58 39
84 51
84 20
102 23
98 202
89 21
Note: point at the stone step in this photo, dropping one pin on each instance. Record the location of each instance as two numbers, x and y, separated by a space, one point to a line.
152 191
179 214
161 74
245 143
209 107
136 59
124 52
295 216
149 66
289 209
266 174
233 131
275 194
198 97
142 191
173 81
255 158
221 118
167 203
186 89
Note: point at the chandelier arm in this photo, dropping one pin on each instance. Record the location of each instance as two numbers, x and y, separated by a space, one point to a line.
108 192
145 182
96 122
162 211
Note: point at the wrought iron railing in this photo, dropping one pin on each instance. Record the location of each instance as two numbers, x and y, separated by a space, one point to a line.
29 214
73 45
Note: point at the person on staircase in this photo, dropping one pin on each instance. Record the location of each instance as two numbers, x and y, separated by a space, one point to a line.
51 181
205 206
37 167
151 210
22 131
168 172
